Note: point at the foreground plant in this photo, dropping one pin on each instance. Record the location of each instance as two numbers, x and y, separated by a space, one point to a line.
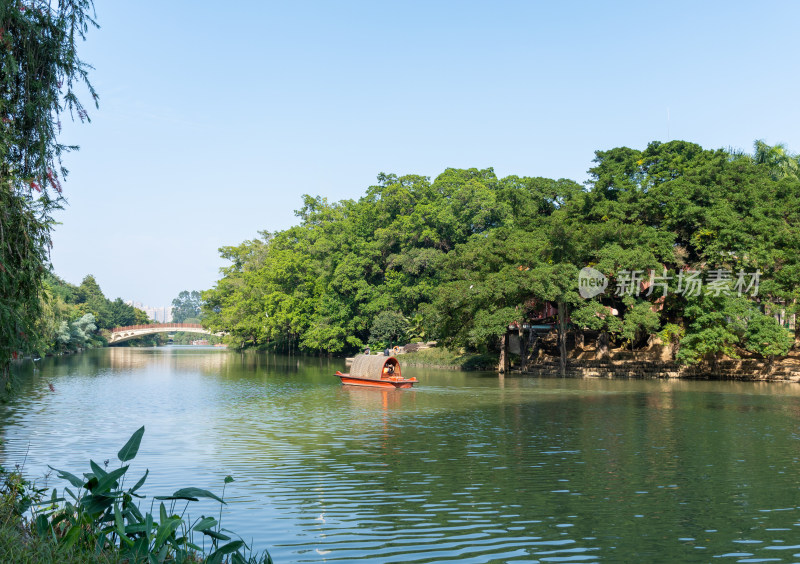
100 516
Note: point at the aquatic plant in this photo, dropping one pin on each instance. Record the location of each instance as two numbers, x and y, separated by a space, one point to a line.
101 516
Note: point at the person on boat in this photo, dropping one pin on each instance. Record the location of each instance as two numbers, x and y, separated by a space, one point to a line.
367 351
386 352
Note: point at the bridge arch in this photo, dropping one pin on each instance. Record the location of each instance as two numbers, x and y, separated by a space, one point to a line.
121 334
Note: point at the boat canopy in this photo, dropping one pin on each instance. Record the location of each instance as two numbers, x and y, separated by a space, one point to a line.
374 367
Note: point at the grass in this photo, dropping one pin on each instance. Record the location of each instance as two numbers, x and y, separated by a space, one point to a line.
444 358
19 544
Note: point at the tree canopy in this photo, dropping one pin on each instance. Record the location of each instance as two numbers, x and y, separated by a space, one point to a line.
187 306
39 72
468 253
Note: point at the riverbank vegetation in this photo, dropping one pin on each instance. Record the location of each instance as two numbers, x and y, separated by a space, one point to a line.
102 521
444 358
76 317
40 72
469 254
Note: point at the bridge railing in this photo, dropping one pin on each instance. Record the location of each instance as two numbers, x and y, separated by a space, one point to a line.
177 326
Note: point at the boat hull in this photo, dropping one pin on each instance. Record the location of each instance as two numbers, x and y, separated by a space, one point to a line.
382 383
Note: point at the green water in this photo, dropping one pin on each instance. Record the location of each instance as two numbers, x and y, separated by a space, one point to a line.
464 468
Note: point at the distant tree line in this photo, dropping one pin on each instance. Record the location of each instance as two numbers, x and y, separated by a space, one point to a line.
461 257
187 307
74 317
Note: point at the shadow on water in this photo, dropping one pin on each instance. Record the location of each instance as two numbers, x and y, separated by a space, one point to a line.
466 467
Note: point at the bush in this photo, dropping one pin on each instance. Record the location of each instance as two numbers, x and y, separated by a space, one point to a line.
439 356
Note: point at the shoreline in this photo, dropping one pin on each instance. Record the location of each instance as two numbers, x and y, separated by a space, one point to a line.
785 369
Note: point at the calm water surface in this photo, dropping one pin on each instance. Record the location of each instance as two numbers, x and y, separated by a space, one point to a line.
465 468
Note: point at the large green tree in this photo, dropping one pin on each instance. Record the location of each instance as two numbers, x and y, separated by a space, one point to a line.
188 305
39 70
468 253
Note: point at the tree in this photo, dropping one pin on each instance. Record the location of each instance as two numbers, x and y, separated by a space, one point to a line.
76 334
95 302
777 159
594 316
39 69
716 325
469 254
123 314
188 305
640 320
388 328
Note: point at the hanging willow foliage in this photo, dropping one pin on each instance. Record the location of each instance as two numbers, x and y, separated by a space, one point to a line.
39 71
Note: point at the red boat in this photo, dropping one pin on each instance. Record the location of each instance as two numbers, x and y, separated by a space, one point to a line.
377 371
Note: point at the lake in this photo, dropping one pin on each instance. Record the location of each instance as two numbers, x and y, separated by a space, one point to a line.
466 467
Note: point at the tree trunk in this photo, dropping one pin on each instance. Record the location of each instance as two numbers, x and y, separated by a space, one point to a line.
504 365
562 339
601 350
524 342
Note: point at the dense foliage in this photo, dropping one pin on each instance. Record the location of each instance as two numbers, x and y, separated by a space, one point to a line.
187 307
74 317
459 258
39 69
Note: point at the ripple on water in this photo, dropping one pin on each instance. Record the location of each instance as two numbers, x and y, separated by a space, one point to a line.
464 469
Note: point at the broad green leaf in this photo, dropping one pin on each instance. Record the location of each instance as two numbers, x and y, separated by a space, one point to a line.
205 523
228 548
118 521
216 535
139 549
60 517
165 530
98 471
109 480
186 493
148 521
134 511
140 483
64 475
96 504
136 528
131 448
174 497
127 540
71 537
43 527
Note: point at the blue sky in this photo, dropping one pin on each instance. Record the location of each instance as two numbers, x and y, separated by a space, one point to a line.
214 120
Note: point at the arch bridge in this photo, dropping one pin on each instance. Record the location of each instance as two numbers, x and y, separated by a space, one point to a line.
120 334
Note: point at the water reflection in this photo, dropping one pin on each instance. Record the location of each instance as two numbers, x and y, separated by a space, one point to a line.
464 468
